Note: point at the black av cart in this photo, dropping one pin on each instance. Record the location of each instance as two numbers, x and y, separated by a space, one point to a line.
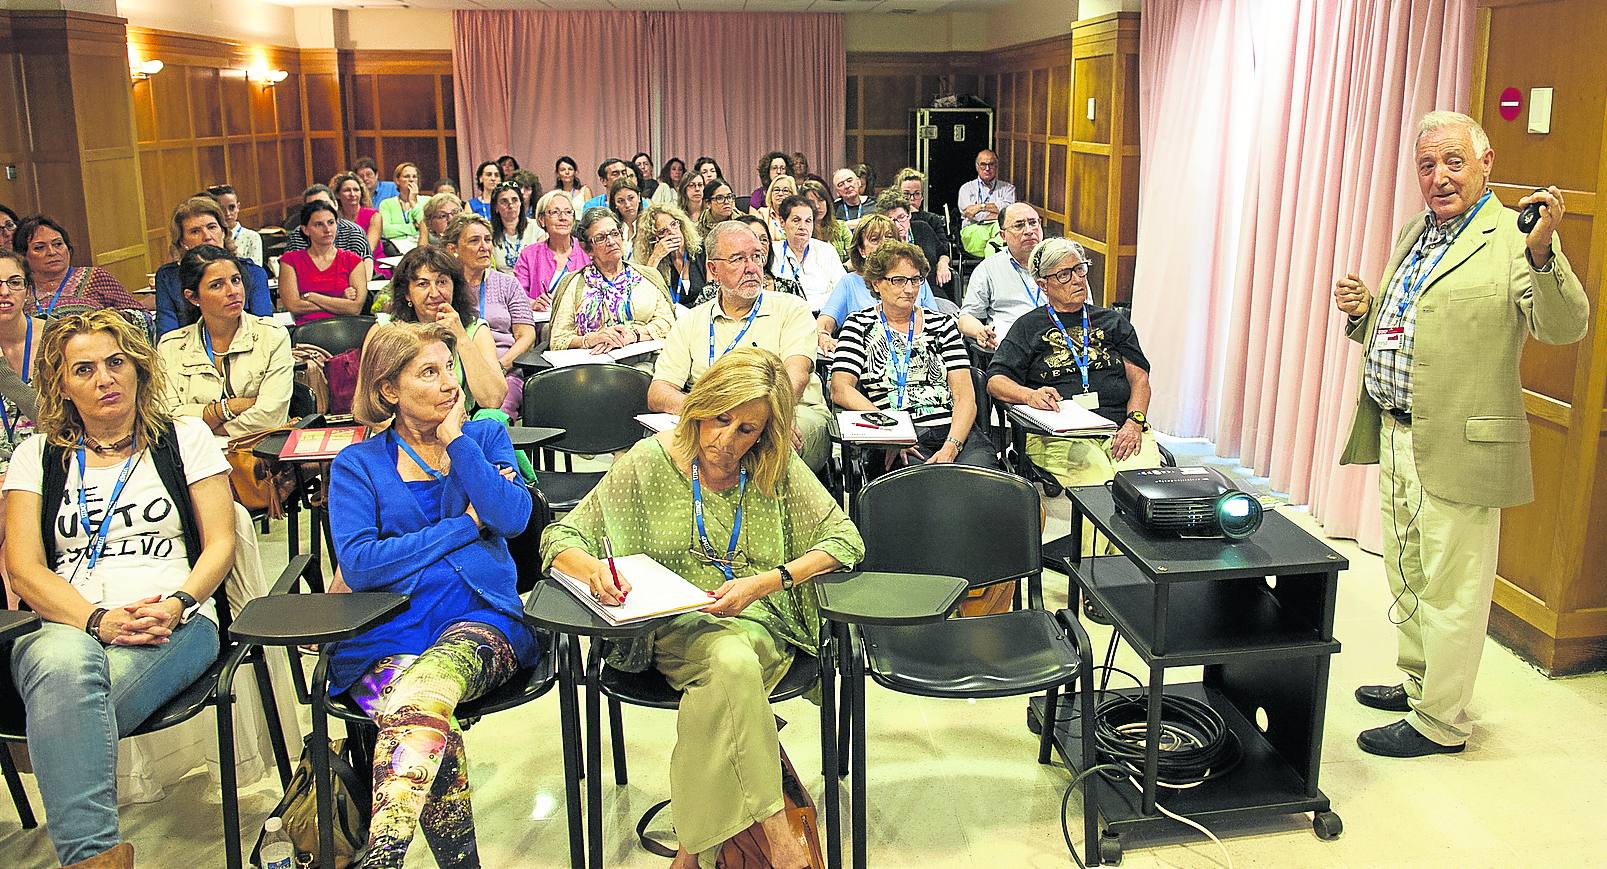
1258 615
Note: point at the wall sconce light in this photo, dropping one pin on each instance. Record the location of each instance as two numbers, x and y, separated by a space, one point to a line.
144 70
266 77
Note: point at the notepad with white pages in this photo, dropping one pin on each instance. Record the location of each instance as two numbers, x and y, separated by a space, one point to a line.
658 422
1071 419
656 591
855 428
584 356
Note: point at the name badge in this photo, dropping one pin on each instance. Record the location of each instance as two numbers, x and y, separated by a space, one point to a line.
1390 338
1087 400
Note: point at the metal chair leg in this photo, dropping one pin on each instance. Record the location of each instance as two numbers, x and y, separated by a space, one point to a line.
270 709
322 782
19 797
857 682
227 773
594 762
616 740
828 757
1046 736
569 724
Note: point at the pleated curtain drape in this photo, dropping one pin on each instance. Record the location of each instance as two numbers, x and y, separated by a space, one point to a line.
1277 143
603 84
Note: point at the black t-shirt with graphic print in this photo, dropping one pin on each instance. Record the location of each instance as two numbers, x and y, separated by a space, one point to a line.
1034 354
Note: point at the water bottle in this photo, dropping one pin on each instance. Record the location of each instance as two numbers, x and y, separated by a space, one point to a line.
277 850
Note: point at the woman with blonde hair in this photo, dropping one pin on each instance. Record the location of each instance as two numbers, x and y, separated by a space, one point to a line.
356 206
542 267
402 214
126 596
778 191
667 240
426 508
768 527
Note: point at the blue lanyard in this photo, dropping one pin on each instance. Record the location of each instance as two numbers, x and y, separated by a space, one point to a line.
746 324
901 364
558 277
736 522
1082 358
795 264
414 456
482 296
97 536
1414 280
983 194
59 287
27 350
512 247
859 210
206 341
10 427
1033 293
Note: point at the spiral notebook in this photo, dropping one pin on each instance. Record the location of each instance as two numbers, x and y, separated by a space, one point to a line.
656 591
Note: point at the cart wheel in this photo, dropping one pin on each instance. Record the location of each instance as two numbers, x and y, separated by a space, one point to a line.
1327 825
1110 849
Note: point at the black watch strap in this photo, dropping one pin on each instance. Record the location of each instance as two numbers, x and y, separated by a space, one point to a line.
787 581
189 601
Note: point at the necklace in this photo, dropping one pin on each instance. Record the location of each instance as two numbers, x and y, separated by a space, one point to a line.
111 448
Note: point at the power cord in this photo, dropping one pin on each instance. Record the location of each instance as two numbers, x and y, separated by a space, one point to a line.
1105 769
1400 542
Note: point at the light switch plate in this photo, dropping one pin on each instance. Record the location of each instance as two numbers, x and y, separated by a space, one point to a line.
11 172
1091 102
1539 110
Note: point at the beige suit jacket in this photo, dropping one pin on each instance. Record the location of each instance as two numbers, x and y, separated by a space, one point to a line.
1470 434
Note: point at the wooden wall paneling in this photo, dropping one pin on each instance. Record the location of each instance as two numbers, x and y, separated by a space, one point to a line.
1104 174
1551 591
15 148
883 88
401 109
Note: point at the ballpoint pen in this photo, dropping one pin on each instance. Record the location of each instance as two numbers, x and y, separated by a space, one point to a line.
608 551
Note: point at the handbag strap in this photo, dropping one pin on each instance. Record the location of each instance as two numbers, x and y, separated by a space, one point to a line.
650 844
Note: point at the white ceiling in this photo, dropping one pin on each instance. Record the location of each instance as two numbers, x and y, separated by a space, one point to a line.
877 6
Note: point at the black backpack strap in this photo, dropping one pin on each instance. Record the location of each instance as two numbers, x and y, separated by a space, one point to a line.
53 488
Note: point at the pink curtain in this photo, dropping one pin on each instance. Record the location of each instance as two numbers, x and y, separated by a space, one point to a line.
741 84
1295 121
539 85
598 84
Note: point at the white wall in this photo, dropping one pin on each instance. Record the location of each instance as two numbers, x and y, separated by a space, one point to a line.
243 20
394 29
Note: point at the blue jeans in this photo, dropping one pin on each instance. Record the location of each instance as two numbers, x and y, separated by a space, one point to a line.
81 697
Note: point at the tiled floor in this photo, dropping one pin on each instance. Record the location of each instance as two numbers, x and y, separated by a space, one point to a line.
956 784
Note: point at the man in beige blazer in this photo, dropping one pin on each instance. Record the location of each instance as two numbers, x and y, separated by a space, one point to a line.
1440 410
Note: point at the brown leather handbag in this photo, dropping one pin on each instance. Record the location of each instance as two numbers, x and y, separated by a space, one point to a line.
258 484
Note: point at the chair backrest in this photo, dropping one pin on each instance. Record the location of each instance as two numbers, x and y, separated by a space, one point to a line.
984 401
335 335
526 547
595 405
954 520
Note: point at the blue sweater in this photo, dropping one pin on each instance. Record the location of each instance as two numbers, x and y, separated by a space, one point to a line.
173 312
386 543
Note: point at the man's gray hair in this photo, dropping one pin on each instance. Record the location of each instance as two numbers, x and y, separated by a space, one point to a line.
1440 120
712 243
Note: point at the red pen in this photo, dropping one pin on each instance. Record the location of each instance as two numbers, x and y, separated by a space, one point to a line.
608 550
865 425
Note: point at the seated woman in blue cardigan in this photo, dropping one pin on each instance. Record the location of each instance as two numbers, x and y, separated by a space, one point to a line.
425 508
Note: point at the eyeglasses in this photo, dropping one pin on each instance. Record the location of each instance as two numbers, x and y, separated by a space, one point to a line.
559 212
754 259
8 226
903 282
611 235
737 561
985 164
15 283
1064 275
1024 225
722 197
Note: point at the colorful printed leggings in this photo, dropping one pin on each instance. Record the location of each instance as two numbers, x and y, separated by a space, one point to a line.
420 772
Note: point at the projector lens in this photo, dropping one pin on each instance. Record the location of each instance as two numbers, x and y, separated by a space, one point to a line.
1238 515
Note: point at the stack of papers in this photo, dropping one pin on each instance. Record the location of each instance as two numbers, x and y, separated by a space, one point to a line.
584 356
656 591
541 316
1071 419
320 443
854 428
658 422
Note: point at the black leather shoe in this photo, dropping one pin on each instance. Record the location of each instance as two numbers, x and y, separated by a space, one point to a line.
1401 740
1390 698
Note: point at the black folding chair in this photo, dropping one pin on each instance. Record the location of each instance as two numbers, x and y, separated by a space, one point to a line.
910 525
328 618
214 689
596 406
335 335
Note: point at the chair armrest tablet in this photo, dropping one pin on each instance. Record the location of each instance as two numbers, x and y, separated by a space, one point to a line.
876 598
296 619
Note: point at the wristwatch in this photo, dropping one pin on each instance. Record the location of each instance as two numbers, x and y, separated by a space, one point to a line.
190 604
787 582
1138 417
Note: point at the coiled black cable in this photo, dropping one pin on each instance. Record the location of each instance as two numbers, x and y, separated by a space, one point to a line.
1195 743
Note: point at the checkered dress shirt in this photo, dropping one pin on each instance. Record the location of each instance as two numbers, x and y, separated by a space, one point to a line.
1387 374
